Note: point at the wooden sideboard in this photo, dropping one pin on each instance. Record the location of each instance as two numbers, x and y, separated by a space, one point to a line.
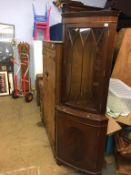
52 54
76 79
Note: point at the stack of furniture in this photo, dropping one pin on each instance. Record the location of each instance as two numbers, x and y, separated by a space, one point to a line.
69 6
125 13
39 93
41 22
38 82
122 67
76 78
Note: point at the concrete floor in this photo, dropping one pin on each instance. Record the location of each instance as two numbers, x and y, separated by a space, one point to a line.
24 146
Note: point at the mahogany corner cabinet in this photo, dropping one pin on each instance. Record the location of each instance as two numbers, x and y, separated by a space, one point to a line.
76 80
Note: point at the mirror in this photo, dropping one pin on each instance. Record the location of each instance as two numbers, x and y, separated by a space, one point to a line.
7 32
7 35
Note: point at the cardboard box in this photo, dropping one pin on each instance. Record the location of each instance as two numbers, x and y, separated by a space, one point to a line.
124 120
114 124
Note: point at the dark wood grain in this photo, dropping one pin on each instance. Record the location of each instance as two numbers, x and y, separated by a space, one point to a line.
76 79
51 74
80 139
88 48
86 67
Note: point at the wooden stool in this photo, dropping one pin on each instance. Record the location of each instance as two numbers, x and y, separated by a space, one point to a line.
41 93
39 78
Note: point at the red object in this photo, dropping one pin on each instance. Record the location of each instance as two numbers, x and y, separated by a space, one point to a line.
16 85
41 22
24 78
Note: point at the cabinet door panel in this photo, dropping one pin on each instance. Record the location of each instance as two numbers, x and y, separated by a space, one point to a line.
84 66
80 143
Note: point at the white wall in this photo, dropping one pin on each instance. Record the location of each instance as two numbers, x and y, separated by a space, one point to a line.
55 13
19 13
96 3
38 58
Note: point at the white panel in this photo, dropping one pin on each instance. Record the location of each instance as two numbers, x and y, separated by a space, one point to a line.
95 3
10 75
38 58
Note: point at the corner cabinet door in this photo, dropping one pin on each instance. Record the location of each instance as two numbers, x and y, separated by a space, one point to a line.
80 140
86 66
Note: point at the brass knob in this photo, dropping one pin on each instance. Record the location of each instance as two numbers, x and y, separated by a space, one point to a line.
46 74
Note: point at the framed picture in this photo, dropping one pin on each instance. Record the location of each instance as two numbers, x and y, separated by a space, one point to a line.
4 87
11 83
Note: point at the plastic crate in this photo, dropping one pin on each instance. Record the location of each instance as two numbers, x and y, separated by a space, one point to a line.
119 97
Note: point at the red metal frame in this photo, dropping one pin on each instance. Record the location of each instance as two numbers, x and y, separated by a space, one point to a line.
24 80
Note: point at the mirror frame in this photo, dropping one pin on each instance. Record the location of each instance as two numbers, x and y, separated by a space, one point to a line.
13 33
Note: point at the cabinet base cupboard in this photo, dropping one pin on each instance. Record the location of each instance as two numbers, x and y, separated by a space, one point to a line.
80 139
76 80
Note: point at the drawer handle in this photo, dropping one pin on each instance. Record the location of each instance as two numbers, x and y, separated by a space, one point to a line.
46 74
